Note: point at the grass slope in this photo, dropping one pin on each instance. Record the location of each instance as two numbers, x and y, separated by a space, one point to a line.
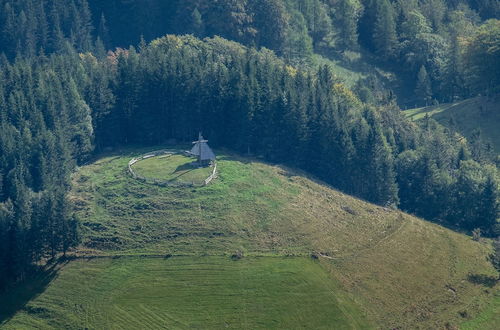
190 293
466 116
396 270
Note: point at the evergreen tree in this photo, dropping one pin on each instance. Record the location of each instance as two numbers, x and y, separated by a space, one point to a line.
103 32
384 30
495 257
56 109
298 45
414 24
380 175
481 56
423 89
347 15
198 26
489 208
272 18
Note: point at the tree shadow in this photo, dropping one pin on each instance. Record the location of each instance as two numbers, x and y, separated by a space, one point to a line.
481 279
17 297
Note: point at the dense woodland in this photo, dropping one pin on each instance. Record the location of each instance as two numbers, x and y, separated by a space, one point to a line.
67 93
444 49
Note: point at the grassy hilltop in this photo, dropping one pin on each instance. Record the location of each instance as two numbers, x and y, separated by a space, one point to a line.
157 256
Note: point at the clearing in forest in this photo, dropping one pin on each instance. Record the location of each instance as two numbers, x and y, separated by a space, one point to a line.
466 117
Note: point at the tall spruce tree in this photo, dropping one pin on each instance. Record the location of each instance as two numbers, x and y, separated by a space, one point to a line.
347 15
423 89
384 29
489 208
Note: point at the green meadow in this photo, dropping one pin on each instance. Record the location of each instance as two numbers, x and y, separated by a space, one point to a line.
262 246
175 168
191 293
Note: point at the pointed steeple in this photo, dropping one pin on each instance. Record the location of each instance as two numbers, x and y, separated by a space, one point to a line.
202 151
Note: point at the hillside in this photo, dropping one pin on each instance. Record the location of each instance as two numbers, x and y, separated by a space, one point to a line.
374 218
466 116
161 256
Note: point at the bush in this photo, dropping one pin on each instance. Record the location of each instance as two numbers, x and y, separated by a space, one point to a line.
237 255
476 235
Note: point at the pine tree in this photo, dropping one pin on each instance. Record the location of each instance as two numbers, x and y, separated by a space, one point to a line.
4 252
381 175
347 15
489 208
319 23
423 89
2 195
384 30
103 32
495 257
43 25
197 25
477 145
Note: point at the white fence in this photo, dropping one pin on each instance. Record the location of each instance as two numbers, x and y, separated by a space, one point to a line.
212 176
167 183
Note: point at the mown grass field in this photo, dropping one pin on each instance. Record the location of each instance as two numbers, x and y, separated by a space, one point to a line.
175 168
392 269
190 293
466 116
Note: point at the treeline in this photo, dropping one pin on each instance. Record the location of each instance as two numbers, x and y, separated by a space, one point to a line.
253 102
33 27
447 48
45 129
437 44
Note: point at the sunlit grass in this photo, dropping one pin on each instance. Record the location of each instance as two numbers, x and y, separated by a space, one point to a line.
175 168
187 293
399 270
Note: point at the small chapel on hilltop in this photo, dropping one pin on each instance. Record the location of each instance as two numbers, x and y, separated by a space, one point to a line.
202 151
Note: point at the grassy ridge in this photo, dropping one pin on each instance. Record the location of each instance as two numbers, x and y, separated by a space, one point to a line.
252 207
401 271
466 116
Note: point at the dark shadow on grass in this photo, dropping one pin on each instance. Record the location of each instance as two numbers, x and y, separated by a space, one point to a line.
17 297
481 279
184 173
186 167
